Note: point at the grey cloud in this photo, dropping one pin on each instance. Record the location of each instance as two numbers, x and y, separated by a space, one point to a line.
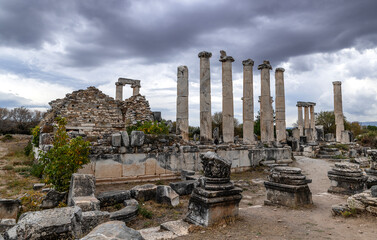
10 100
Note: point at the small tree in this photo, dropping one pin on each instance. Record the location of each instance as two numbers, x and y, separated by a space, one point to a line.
64 158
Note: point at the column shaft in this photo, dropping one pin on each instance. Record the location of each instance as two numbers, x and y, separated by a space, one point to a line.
205 98
300 120
306 123
118 91
182 124
248 102
135 90
338 110
312 123
266 118
281 135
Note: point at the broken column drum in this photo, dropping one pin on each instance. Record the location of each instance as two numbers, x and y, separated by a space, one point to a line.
287 186
281 135
205 98
300 120
346 178
227 103
372 171
266 113
248 102
338 110
182 103
216 197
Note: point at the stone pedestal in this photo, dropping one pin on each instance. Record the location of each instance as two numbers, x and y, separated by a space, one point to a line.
248 102
216 197
205 98
182 127
266 113
338 110
372 171
228 109
287 186
346 178
281 135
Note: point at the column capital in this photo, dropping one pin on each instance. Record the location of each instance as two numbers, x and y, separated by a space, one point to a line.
279 70
265 64
300 104
311 104
248 62
119 84
337 83
205 54
224 57
182 68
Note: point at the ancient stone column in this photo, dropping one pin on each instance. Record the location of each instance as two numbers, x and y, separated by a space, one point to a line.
182 127
281 135
119 91
205 98
266 115
248 102
228 109
300 120
313 133
135 90
307 122
338 110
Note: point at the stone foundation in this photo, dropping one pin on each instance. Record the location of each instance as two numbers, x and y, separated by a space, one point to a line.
346 178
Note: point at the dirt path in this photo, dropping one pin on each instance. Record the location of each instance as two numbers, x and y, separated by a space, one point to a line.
257 221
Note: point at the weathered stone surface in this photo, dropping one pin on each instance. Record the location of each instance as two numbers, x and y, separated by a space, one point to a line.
87 203
355 204
184 187
82 185
137 138
125 139
373 191
156 233
6 224
266 113
131 202
113 197
55 223
179 227
38 186
205 97
338 110
116 139
339 209
53 198
144 192
215 166
248 102
280 106
9 208
165 194
182 125
114 230
185 173
92 219
125 214
346 178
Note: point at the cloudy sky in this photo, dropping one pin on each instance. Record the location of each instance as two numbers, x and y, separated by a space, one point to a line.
50 48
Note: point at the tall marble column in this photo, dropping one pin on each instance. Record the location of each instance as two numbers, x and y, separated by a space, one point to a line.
182 124
248 102
307 122
266 115
205 98
338 110
300 120
281 135
313 133
135 90
119 91
228 109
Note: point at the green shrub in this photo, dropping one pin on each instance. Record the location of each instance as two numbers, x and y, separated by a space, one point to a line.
28 149
8 167
155 127
64 158
144 212
37 170
36 131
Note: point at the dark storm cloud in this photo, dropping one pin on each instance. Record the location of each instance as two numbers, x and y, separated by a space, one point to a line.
103 31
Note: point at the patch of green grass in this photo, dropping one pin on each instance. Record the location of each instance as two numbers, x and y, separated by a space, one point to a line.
7 137
8 167
22 169
145 212
339 157
18 183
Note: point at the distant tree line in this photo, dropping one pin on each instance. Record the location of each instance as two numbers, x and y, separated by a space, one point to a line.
19 120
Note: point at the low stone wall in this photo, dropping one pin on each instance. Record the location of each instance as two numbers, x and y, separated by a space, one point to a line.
116 168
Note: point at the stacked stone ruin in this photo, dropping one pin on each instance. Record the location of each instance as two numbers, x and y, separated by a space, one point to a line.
288 186
372 171
346 178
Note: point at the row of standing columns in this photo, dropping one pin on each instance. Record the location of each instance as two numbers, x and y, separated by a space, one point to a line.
266 110
306 125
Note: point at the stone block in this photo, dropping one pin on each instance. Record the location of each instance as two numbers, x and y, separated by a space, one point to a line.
53 198
116 140
125 139
38 186
131 202
165 194
150 166
355 204
57 223
6 224
92 219
113 230
157 116
352 153
108 169
82 185
113 197
126 214
87 203
137 138
185 173
179 227
144 192
373 191
184 187
9 208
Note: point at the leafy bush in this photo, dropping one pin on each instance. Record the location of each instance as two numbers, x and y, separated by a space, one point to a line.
28 149
37 170
36 131
64 158
155 127
368 139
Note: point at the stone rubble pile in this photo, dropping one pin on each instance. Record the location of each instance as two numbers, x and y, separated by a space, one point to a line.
288 186
346 178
